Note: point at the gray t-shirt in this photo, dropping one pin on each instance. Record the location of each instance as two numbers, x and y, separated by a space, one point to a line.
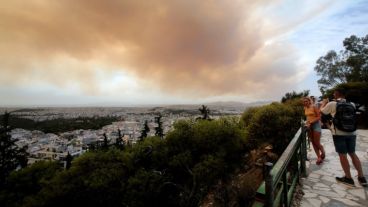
330 108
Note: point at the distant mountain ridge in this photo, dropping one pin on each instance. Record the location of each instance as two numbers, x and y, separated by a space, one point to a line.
237 104
220 107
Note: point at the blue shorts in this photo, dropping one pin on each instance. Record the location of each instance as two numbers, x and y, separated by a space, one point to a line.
316 127
344 144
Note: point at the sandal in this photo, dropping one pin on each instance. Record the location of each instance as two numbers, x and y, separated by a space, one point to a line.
319 161
323 155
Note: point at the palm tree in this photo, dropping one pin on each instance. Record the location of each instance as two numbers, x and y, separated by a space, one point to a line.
205 111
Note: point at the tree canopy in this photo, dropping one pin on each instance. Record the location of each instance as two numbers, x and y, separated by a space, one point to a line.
348 65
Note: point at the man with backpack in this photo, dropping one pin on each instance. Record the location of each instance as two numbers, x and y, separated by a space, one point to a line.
344 135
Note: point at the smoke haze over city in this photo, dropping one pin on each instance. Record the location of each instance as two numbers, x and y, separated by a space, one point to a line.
128 52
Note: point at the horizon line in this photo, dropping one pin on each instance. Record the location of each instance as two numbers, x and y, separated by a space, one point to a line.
127 105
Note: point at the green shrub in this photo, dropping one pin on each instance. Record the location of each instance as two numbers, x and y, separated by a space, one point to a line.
202 152
275 124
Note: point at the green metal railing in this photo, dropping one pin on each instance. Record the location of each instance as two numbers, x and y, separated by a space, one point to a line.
281 178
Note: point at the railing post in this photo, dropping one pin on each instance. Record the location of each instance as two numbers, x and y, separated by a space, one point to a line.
303 151
285 189
269 184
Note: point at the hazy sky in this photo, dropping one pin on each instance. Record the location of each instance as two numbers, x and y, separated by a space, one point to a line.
127 52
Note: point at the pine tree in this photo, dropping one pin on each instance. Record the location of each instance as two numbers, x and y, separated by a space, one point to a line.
105 144
11 156
68 160
145 131
159 130
119 141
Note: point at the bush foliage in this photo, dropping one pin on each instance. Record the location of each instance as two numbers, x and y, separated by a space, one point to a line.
275 124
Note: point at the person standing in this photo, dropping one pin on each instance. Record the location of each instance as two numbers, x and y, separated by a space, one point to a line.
344 135
313 123
314 102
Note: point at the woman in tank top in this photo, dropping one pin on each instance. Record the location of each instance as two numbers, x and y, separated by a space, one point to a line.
314 128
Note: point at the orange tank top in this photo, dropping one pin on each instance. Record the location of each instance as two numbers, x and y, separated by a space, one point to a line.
310 113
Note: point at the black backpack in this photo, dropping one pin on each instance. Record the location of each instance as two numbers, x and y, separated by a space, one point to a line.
345 117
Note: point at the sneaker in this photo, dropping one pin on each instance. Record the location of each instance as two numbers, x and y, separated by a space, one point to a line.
362 181
346 181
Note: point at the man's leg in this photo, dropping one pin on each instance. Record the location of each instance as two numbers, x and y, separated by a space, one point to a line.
350 143
342 149
345 165
357 164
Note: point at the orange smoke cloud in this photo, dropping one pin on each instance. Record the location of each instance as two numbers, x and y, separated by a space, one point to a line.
194 48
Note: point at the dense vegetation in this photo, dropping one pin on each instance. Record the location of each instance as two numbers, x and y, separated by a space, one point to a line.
60 125
176 171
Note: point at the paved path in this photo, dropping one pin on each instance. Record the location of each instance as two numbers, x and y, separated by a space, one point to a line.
321 188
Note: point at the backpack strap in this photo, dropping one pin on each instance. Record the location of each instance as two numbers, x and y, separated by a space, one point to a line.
333 121
338 101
